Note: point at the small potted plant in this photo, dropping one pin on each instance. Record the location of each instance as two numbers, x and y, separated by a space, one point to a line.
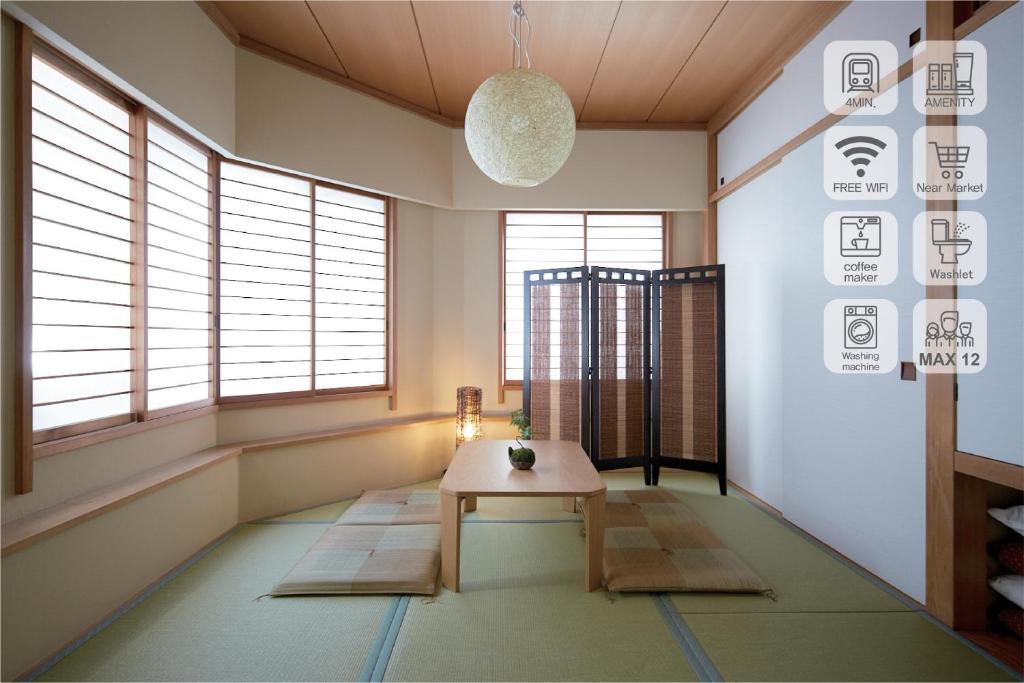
522 458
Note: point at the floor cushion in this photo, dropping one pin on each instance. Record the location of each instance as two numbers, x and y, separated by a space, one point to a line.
400 506
653 542
368 559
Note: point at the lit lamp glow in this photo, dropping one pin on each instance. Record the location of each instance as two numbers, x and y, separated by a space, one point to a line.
467 415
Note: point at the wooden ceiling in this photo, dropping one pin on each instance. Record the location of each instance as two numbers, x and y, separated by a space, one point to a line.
634 63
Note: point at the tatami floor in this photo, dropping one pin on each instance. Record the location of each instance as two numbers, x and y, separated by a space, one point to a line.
523 614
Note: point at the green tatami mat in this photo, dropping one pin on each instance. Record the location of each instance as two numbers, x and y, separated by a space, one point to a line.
894 646
321 513
803 577
524 615
206 624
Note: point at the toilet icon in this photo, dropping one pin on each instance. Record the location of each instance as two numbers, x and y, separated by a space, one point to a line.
950 243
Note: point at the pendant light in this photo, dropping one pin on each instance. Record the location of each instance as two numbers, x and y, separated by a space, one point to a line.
520 124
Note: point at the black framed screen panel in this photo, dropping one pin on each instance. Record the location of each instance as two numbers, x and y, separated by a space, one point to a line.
265 282
556 393
620 368
82 254
688 378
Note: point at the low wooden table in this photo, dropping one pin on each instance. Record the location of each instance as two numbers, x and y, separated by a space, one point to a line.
481 468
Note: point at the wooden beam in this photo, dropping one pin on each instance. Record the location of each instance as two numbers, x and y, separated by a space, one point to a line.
987 469
23 259
220 20
970 579
982 16
940 408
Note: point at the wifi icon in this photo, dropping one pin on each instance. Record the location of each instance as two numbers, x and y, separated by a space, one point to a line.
860 151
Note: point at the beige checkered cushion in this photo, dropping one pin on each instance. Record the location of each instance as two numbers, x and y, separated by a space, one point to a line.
653 542
368 559
402 506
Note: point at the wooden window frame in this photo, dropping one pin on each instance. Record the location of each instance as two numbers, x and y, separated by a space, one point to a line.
30 444
505 384
385 390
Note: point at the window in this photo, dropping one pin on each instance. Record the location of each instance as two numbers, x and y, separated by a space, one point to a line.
179 275
534 241
82 257
303 286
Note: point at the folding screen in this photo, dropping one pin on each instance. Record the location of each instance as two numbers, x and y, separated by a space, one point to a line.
688 382
629 363
556 320
620 365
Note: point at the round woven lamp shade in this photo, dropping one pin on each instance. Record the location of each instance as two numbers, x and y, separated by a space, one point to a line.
520 127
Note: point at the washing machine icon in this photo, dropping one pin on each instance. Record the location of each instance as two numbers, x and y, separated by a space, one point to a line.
860 327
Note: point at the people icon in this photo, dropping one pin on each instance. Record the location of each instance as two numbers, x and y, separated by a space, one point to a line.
949 321
931 334
966 340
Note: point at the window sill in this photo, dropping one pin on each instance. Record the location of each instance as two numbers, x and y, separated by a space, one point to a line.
71 443
234 403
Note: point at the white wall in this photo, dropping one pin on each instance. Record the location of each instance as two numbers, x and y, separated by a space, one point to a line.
168 55
841 456
752 237
990 412
793 102
608 169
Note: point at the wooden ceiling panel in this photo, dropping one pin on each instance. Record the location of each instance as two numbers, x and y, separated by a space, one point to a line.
379 45
567 42
286 26
649 44
745 35
465 43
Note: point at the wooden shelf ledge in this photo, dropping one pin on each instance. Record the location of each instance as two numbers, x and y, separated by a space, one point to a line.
23 532
996 471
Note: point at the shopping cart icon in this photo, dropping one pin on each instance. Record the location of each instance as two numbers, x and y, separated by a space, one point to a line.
951 158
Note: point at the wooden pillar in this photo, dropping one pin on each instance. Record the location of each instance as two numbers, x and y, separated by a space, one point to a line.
711 214
940 408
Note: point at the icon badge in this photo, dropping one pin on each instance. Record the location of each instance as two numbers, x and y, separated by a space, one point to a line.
859 77
861 336
950 162
861 162
950 77
950 247
861 248
950 335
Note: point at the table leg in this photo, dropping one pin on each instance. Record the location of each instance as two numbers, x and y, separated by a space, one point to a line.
470 504
450 531
569 504
593 513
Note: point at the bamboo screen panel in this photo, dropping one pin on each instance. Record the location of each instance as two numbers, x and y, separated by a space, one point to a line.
620 370
555 361
689 371
179 281
81 254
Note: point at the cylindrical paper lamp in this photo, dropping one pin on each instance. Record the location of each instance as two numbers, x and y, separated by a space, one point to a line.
467 415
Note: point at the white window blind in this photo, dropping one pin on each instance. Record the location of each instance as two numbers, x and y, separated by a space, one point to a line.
554 240
81 253
178 271
265 282
351 292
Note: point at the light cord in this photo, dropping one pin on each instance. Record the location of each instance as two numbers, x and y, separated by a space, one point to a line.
515 29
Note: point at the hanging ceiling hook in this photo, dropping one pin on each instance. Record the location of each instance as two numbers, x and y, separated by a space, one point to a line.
515 29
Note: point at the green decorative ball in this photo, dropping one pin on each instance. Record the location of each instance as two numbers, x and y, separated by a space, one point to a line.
521 458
